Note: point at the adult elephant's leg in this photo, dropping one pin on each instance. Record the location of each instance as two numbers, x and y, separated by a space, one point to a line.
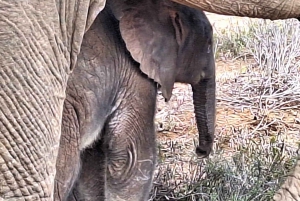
33 75
37 49
290 190
68 160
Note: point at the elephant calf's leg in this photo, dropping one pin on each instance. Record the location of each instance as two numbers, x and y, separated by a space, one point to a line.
131 155
130 144
91 182
120 166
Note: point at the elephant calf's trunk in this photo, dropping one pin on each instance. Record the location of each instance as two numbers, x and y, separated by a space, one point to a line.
204 97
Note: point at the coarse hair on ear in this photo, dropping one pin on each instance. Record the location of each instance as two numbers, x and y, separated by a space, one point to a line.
152 35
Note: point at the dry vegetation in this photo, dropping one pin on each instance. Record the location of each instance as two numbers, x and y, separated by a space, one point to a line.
258 117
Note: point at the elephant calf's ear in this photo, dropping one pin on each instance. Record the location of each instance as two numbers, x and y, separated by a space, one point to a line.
150 40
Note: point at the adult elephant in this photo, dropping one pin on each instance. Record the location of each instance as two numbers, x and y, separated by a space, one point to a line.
39 44
108 149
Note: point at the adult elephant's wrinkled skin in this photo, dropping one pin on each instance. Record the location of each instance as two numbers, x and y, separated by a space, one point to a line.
108 137
39 44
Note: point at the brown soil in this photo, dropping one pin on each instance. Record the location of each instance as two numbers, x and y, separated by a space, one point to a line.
178 122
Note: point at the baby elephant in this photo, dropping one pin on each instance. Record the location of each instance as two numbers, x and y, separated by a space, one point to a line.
108 149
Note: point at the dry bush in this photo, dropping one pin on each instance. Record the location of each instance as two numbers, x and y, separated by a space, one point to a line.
257 121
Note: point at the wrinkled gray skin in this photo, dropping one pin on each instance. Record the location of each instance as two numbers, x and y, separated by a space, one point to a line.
39 44
108 138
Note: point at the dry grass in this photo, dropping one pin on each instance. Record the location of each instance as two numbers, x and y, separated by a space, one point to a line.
258 121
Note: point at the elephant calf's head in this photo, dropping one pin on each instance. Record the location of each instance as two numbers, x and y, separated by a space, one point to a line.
173 43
